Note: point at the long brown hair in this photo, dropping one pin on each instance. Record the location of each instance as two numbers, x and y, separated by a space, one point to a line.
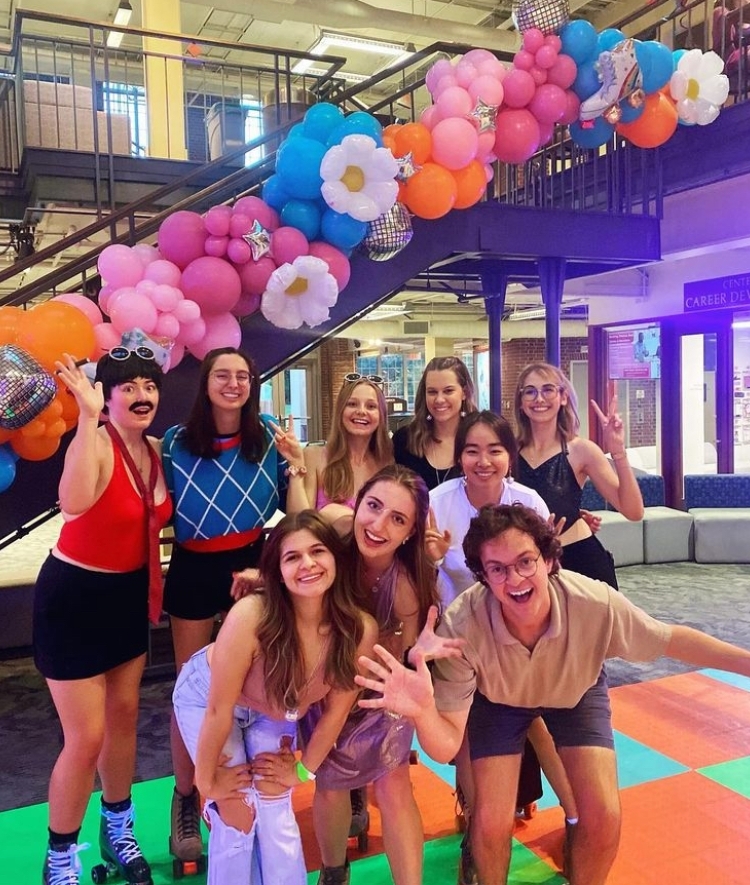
277 631
411 556
200 429
568 422
338 478
422 430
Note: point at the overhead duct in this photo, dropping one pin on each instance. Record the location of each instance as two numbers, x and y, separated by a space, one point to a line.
356 14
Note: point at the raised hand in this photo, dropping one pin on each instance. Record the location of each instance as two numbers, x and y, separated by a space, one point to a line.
245 582
287 444
557 525
402 691
437 543
612 425
90 399
430 647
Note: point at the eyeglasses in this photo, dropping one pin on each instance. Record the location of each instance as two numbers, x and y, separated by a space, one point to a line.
224 377
547 391
355 376
121 353
526 566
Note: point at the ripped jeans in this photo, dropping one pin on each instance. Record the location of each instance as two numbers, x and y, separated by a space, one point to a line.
271 853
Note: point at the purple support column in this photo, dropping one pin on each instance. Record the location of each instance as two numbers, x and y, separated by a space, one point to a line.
552 280
494 286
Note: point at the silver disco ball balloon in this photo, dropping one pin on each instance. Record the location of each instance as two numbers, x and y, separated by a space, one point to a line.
549 16
389 234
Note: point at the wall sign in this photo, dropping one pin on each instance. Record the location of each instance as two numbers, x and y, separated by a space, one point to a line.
717 294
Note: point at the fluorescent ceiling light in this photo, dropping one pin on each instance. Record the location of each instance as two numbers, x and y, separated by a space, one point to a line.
122 19
328 40
341 75
385 312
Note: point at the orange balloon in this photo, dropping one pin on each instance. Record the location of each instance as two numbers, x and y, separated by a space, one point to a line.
431 193
390 131
10 317
657 123
35 448
34 429
5 435
55 429
68 402
53 411
414 138
390 142
54 328
471 183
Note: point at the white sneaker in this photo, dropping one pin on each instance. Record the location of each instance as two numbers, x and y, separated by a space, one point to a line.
620 75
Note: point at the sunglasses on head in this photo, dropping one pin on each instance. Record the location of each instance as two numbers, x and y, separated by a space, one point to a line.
121 353
355 376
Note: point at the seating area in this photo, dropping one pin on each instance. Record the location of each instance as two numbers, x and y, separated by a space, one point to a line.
720 509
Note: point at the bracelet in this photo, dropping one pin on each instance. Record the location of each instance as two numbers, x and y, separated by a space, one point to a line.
296 470
405 660
619 456
304 774
438 562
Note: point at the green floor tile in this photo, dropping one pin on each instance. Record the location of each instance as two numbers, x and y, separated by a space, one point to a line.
734 775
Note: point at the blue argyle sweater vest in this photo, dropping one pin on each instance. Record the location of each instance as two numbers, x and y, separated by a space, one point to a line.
223 495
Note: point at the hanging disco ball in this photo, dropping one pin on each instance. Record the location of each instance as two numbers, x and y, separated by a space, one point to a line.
25 388
549 16
389 234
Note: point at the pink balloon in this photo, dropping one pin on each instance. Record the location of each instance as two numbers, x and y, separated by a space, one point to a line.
548 104
135 311
122 292
430 115
563 72
166 298
247 305
258 210
438 70
519 88
546 131
222 330
216 247
104 295
84 304
163 272
119 266
181 238
167 326
533 40
454 143
486 145
288 243
187 311
239 224
523 60
213 283
492 67
477 56
538 75
449 81
488 89
239 251
554 41
516 136
107 337
146 254
145 287
572 108
489 172
338 264
466 73
545 57
255 275
192 332
217 220
454 102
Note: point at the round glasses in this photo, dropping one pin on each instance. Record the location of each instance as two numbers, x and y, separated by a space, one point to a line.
546 391
222 376
355 376
121 353
525 567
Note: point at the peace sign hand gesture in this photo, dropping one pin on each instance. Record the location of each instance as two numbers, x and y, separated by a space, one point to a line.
437 543
287 444
612 425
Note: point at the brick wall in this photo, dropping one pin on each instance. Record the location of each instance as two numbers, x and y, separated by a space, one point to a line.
336 361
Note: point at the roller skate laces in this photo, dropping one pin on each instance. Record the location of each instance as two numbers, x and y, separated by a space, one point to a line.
467 871
185 840
119 847
63 867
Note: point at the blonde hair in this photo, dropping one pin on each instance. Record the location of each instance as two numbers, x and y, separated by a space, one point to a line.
568 423
338 478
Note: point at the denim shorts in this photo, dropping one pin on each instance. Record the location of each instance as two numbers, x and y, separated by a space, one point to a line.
500 730
251 732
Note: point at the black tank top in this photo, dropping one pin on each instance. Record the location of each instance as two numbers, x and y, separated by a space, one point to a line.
556 483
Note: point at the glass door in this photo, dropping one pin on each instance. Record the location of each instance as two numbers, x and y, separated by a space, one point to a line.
699 431
741 392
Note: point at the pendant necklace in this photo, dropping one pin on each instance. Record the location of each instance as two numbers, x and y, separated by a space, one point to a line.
291 714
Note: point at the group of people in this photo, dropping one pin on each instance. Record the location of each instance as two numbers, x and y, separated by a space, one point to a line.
392 554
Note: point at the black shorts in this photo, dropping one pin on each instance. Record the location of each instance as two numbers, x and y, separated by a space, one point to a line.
500 730
86 622
197 584
591 558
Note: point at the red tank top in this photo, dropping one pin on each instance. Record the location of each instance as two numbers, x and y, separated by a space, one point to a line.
112 533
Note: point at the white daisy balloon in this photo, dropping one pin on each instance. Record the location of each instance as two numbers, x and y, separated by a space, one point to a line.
301 292
359 178
699 87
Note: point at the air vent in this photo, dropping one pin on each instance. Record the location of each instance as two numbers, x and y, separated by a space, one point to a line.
415 327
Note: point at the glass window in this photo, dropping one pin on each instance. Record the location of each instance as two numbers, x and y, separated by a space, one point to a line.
253 130
741 390
122 98
392 370
368 365
414 368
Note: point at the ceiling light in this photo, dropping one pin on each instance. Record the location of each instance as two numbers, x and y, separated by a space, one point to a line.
122 19
385 312
328 40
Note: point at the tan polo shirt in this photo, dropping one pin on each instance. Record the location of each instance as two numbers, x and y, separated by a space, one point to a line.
589 622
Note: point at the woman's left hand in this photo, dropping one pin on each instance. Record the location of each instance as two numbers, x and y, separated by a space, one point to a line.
287 444
277 768
612 425
429 646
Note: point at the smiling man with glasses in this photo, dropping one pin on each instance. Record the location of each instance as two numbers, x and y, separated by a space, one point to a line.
535 640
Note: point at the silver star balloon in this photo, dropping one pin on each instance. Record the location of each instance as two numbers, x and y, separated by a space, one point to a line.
406 167
259 240
485 115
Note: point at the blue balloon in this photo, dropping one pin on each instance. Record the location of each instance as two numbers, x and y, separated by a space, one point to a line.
358 123
321 119
656 64
304 215
587 81
342 231
298 165
608 39
274 193
630 112
592 136
296 130
579 40
677 55
7 467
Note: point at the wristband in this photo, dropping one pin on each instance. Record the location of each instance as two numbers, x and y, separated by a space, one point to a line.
406 662
304 774
295 470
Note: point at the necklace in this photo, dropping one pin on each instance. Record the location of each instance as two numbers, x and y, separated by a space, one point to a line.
291 714
441 474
